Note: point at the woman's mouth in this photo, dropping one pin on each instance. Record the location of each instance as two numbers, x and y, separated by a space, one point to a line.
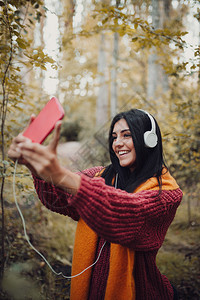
122 152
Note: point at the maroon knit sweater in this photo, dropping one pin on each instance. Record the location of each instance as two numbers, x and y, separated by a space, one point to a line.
138 221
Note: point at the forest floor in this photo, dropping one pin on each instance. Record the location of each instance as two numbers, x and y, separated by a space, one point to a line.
27 277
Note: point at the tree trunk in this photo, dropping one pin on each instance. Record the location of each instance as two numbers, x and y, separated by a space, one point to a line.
102 99
68 12
113 96
153 69
156 75
42 45
199 58
165 6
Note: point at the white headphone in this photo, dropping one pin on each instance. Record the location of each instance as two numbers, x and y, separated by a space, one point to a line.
150 137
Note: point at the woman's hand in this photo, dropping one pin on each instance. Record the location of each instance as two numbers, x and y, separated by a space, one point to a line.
43 159
14 154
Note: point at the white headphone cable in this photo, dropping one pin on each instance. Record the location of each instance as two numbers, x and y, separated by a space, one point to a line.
27 238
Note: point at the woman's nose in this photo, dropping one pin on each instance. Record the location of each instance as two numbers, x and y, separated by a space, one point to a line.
118 141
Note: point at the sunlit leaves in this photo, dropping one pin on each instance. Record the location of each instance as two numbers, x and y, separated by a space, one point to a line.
16 51
185 157
4 48
21 43
16 21
117 19
37 57
143 35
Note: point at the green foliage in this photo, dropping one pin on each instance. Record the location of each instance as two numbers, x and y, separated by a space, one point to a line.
18 56
117 19
17 19
185 135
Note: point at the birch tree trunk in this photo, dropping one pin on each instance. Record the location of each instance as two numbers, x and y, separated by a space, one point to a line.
42 44
68 13
153 69
102 99
156 75
113 96
165 6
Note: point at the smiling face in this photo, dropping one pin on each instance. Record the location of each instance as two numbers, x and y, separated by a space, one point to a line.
123 144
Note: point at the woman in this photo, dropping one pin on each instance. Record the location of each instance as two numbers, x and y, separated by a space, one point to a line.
123 210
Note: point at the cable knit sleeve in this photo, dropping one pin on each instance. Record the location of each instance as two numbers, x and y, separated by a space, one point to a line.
57 199
139 220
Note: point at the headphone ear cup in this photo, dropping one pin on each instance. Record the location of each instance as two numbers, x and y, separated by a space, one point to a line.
150 139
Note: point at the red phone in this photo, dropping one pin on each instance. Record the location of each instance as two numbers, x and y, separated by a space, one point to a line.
45 122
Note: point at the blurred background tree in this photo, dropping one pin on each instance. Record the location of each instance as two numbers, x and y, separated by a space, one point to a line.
98 58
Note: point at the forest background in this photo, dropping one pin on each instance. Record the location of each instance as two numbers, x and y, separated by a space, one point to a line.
97 58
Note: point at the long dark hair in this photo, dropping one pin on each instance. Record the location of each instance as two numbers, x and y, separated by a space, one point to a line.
149 161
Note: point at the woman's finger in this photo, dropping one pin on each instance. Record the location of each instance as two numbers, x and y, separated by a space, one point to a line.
31 148
22 139
13 153
54 142
32 118
42 159
34 152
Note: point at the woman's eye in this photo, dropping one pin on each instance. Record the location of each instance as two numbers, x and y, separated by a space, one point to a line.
127 135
